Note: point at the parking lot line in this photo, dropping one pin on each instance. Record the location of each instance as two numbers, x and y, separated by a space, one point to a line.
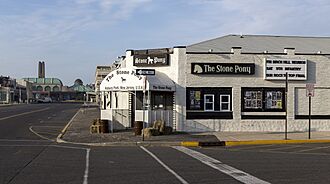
165 166
251 147
283 148
24 113
312 149
224 168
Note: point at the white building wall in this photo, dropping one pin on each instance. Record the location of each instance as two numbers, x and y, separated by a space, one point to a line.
318 66
175 69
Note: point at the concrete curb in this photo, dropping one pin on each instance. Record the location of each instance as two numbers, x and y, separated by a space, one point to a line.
59 137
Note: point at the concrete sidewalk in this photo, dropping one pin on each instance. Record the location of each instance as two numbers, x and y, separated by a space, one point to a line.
78 131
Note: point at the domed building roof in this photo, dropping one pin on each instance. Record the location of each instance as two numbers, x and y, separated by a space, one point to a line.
78 82
44 81
79 86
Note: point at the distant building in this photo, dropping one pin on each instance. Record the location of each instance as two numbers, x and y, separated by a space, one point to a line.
7 87
41 70
42 87
100 73
13 91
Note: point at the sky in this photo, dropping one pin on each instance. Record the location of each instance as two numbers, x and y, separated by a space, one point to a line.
74 36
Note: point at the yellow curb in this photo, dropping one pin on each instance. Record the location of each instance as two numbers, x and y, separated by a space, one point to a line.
237 143
59 137
190 144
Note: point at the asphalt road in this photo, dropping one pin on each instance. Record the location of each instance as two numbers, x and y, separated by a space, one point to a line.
28 154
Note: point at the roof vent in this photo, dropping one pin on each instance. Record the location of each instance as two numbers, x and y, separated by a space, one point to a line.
289 51
319 52
210 50
236 50
265 51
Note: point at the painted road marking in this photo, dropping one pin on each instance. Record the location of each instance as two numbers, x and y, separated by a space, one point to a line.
224 168
43 137
312 149
23 140
24 113
87 166
165 166
283 148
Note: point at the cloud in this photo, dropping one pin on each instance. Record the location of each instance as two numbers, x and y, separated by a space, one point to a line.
51 25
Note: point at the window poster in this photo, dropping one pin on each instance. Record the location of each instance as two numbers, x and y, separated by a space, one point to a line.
195 99
253 99
274 100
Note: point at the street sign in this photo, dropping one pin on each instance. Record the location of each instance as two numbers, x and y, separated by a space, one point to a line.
145 71
309 89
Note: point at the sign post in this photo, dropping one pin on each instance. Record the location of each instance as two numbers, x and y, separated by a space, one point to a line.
309 94
143 103
286 105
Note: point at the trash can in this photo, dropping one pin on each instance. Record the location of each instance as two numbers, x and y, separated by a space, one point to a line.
138 126
104 127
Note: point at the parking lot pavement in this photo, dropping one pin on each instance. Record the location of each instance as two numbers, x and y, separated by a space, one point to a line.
40 163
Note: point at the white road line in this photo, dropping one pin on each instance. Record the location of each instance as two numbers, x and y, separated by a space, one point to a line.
282 148
252 147
165 166
224 168
312 149
87 167
43 137
24 113
22 140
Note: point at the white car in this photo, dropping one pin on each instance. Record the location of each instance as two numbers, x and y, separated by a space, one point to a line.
45 100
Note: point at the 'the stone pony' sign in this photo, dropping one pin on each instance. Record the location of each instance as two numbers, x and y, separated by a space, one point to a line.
223 68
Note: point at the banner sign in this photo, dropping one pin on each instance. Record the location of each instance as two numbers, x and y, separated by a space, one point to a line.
223 68
151 60
276 69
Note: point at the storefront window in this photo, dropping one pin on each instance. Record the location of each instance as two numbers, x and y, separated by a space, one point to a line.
224 103
263 99
209 102
162 100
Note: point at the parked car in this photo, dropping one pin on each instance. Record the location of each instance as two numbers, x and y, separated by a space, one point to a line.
44 100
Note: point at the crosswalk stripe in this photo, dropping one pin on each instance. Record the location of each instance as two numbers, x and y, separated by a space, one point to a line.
224 168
